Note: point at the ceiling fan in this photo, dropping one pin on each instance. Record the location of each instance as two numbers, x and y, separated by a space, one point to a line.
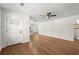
48 15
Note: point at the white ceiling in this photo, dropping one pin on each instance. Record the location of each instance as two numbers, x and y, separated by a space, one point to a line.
34 9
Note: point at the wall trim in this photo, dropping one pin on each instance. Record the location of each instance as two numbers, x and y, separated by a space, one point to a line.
56 37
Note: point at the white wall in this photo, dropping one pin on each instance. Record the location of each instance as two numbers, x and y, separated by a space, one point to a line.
59 28
77 30
0 28
20 23
34 27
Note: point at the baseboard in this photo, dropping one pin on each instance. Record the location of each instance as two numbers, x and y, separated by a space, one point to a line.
56 37
14 44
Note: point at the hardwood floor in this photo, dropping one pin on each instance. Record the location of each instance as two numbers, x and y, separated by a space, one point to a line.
17 49
43 45
76 46
53 45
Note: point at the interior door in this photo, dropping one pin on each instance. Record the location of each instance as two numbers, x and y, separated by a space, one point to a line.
13 30
34 28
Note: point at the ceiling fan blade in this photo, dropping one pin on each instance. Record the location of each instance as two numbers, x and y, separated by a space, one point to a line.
52 15
43 15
